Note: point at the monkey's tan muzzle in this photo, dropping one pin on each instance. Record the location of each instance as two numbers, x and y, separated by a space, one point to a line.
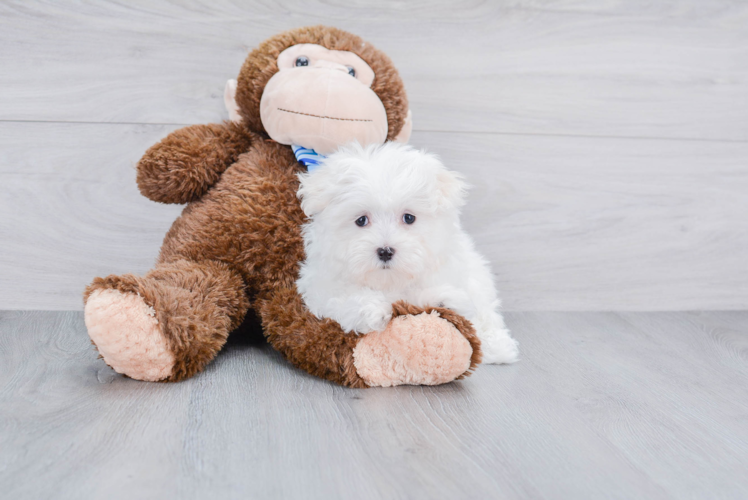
321 108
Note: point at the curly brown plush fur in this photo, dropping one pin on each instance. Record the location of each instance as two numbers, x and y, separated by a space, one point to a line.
182 167
237 244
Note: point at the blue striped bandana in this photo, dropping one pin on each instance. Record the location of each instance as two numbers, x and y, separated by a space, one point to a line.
307 157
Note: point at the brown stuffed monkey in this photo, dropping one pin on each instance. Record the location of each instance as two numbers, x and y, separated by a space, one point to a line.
237 244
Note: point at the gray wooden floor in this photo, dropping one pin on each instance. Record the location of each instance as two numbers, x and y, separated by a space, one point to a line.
602 405
608 145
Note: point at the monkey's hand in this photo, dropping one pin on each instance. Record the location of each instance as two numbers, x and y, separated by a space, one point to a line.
183 166
420 346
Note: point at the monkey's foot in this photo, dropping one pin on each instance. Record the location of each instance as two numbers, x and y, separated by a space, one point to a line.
418 347
126 332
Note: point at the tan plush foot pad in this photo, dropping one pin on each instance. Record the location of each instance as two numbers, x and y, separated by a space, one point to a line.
126 333
413 350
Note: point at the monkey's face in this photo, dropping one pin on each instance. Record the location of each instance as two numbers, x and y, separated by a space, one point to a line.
322 99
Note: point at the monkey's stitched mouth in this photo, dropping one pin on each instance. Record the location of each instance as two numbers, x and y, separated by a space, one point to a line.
326 117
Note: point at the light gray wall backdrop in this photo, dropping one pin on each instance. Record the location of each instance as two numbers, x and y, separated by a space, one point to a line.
607 142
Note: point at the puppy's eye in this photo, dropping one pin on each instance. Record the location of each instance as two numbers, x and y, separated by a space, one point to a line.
302 61
409 218
351 71
362 221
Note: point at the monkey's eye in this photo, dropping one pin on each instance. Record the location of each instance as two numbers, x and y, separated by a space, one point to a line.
362 221
351 71
409 218
302 61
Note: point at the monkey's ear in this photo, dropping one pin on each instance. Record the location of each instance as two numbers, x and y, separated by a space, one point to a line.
404 135
229 100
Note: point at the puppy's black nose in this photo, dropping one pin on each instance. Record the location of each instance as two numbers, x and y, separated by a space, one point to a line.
385 253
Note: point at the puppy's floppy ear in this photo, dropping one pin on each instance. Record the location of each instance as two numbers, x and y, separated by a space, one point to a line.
452 189
316 190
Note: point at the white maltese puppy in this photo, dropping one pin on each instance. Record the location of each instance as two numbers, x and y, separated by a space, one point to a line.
384 226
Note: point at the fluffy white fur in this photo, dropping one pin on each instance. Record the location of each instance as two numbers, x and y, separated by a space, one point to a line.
434 263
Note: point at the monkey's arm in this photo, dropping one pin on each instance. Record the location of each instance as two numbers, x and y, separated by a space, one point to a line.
416 348
185 164
318 346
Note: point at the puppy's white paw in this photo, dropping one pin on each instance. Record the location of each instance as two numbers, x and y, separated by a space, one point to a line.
498 347
448 296
374 317
359 313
